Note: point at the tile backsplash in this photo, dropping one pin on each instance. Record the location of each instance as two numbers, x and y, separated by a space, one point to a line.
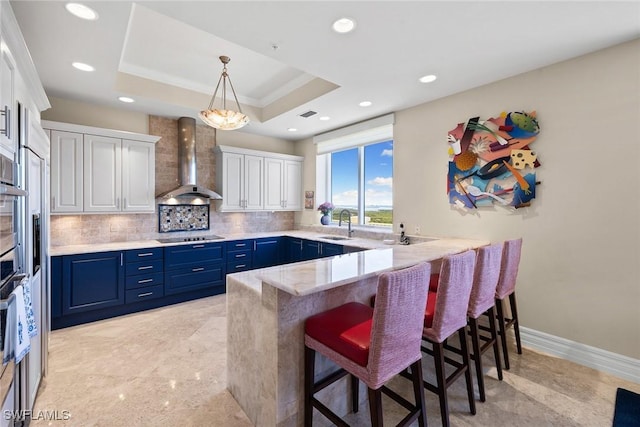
86 229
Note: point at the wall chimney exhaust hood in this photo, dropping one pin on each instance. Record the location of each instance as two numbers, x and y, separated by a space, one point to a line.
188 168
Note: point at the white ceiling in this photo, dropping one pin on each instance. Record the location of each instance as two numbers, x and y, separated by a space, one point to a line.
286 60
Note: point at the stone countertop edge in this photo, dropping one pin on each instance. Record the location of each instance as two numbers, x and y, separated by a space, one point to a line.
152 243
309 277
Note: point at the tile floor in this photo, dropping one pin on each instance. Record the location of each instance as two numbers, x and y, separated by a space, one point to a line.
168 367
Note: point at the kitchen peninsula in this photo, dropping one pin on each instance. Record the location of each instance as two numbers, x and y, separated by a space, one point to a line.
266 310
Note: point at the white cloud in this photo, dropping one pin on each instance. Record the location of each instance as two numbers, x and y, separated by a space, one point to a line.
378 198
387 152
379 180
346 198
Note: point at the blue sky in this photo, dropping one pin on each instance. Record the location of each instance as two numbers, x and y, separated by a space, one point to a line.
378 175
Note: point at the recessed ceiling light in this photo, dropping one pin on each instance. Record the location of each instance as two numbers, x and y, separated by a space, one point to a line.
126 99
344 25
325 118
292 130
81 11
365 103
428 78
82 66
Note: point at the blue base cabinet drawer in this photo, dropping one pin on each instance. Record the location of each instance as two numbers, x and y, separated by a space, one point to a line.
144 267
144 280
234 267
146 254
141 294
191 278
194 255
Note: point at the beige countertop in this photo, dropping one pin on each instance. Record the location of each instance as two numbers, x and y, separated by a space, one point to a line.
140 244
304 278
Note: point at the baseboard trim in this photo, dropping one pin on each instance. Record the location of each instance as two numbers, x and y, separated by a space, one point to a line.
615 364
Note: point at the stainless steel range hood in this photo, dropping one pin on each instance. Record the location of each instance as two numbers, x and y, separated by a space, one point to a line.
188 166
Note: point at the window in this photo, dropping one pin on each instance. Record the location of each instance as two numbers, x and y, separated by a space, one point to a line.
361 181
354 170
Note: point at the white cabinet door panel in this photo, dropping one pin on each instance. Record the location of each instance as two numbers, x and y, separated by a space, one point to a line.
253 170
138 176
102 174
273 178
66 172
232 181
292 185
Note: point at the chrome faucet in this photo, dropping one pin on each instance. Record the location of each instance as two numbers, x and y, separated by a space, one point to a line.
348 217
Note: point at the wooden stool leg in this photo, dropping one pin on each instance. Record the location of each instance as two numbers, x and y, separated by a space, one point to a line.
309 378
503 333
462 333
494 338
354 393
418 392
477 357
375 407
438 358
516 323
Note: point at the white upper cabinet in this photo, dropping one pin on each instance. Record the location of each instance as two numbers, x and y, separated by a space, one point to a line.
138 176
292 185
96 170
273 179
102 174
251 180
66 171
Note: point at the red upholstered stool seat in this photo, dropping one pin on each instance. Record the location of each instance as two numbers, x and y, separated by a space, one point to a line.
345 329
433 282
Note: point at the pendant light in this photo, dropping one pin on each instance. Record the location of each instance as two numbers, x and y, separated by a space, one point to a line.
222 118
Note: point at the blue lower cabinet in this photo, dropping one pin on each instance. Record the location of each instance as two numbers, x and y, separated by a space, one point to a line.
294 249
143 294
193 278
144 280
92 281
268 252
56 286
234 267
331 249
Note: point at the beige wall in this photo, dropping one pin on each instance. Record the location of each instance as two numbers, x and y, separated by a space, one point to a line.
579 274
83 113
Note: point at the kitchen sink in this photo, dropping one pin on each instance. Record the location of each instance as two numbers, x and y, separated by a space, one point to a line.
334 238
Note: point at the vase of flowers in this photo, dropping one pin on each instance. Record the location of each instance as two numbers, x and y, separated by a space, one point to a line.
325 208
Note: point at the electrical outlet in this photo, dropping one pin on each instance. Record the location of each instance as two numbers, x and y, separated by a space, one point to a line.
417 229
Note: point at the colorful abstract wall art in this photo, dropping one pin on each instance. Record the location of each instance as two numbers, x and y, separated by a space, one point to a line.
491 161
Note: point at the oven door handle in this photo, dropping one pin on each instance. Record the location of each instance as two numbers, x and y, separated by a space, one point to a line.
23 278
7 190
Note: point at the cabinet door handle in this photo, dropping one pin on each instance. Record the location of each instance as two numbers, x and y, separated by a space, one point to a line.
118 202
53 202
197 246
241 266
197 269
145 267
121 259
241 255
145 281
239 245
6 112
146 294
124 203
255 245
146 254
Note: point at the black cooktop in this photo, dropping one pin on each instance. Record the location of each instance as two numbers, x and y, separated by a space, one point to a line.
190 239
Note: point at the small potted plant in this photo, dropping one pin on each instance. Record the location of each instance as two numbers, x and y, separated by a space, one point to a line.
325 208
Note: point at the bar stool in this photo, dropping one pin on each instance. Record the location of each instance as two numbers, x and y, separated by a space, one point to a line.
448 316
482 301
507 288
372 344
